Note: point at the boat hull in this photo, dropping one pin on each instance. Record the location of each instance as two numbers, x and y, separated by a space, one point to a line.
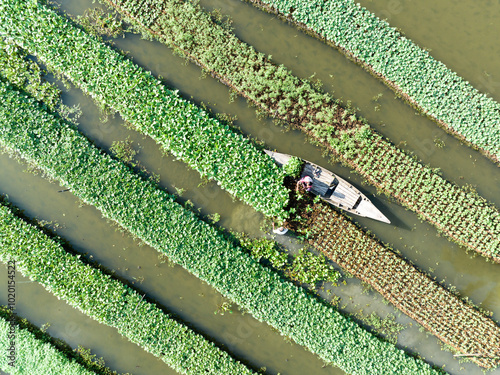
334 189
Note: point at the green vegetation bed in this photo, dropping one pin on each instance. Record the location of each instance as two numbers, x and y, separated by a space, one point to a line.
108 301
179 126
454 322
425 82
152 215
32 354
462 215
27 74
306 268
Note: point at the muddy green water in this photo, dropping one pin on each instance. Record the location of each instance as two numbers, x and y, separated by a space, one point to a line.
195 302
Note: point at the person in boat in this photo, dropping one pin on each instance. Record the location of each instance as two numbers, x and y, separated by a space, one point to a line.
306 182
280 230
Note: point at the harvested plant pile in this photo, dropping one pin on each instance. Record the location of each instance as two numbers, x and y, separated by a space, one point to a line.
442 313
152 215
425 82
462 215
179 126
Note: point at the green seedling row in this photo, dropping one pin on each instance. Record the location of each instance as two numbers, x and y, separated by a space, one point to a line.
152 215
462 215
424 81
180 127
453 321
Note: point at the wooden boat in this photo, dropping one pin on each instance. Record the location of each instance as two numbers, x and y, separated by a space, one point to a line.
334 189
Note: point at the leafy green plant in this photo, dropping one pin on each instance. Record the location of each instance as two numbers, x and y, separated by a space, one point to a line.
263 248
439 143
309 268
293 167
214 218
28 75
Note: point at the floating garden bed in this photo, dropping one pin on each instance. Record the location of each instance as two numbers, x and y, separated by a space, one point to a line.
153 216
462 215
405 67
180 127
35 351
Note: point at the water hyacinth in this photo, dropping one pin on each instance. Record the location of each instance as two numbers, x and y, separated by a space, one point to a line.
179 126
425 82
275 90
152 215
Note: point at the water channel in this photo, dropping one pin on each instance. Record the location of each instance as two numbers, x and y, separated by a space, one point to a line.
193 301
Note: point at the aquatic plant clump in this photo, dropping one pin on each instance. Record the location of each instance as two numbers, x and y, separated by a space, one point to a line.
180 127
305 268
442 313
152 215
424 81
463 216
32 355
